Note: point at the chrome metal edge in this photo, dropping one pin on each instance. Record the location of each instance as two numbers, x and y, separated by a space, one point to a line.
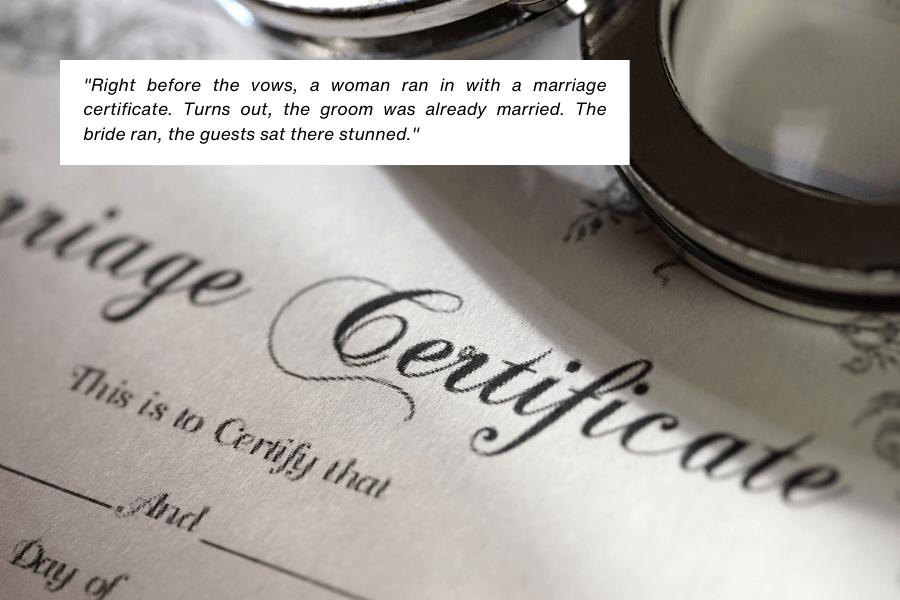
491 32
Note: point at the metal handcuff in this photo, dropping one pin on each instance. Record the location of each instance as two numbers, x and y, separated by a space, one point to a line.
774 197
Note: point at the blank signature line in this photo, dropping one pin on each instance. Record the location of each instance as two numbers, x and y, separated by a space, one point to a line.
288 572
55 487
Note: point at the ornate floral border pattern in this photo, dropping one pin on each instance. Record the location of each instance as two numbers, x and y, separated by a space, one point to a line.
612 203
876 339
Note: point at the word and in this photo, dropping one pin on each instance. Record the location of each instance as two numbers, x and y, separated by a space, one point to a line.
157 507
121 257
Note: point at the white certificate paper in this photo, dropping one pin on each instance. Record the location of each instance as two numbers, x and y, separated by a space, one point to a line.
404 383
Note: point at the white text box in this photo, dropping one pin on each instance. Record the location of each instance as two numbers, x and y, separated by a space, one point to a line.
344 112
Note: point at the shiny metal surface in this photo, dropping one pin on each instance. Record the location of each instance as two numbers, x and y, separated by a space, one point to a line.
363 18
790 248
408 28
797 89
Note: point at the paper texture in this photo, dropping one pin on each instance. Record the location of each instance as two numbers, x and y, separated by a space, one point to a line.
389 383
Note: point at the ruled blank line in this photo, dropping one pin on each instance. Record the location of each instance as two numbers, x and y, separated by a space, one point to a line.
56 487
247 557
288 572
